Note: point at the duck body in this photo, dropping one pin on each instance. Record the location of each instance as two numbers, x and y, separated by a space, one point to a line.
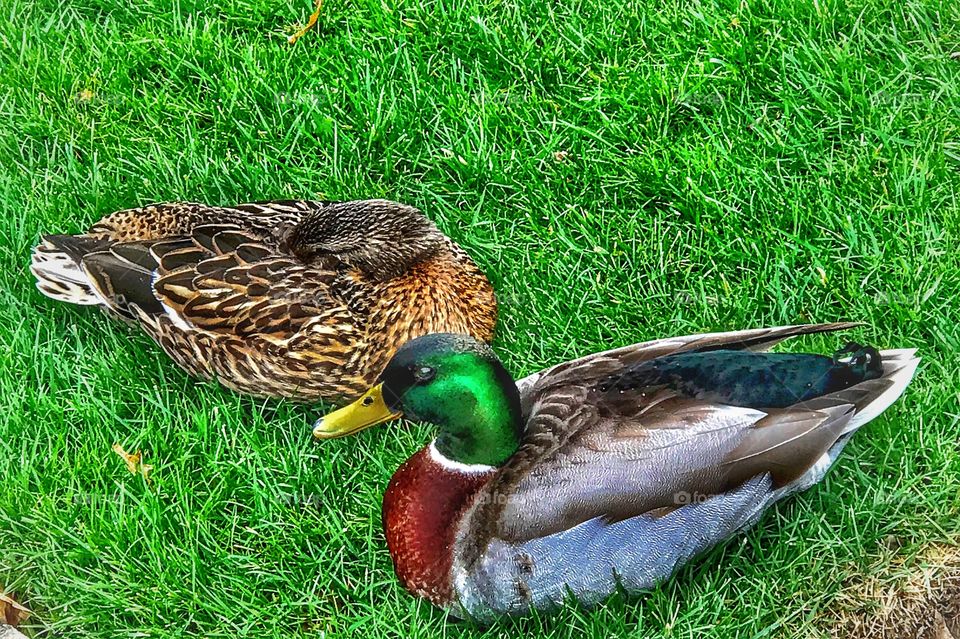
298 299
626 465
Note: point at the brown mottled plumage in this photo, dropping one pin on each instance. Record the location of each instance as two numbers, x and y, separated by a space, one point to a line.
298 299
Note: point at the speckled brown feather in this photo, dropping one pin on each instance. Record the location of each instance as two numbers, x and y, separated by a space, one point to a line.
269 306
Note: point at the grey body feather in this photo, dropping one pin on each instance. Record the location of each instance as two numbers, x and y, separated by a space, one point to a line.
625 493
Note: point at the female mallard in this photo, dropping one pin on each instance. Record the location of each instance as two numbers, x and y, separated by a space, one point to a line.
297 299
611 469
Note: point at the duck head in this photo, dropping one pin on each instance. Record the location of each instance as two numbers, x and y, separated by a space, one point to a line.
448 380
381 238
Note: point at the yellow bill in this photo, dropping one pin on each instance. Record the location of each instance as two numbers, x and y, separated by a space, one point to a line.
365 412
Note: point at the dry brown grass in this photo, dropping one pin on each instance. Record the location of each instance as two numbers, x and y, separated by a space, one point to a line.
915 599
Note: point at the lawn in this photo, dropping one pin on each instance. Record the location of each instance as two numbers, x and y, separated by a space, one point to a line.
622 170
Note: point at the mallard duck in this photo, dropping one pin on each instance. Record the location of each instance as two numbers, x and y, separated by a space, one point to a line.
297 299
610 470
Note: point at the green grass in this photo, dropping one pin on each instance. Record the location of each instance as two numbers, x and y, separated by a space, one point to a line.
622 170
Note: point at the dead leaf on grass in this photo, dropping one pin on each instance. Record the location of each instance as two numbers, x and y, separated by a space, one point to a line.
134 462
312 21
12 612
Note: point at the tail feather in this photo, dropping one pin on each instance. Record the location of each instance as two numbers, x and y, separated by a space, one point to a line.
56 265
76 247
91 270
873 396
899 367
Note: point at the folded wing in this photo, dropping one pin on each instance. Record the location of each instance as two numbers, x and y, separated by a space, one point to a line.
612 487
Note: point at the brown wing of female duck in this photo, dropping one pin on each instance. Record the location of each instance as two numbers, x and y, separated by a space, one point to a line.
292 299
635 460
225 306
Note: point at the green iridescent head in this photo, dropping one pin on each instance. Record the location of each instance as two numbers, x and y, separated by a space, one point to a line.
449 380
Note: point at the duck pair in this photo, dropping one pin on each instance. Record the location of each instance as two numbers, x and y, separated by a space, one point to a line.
604 472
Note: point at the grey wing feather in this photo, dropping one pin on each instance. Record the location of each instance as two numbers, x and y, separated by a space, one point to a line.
682 443
621 502
620 469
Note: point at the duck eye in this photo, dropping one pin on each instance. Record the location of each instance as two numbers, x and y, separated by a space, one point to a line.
424 374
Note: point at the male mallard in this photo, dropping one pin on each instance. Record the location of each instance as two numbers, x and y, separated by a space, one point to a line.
611 469
297 299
